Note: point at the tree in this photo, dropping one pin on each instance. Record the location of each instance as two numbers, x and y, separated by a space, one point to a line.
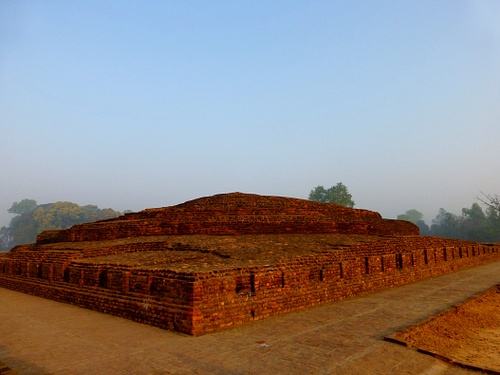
58 215
23 228
32 219
416 217
23 207
473 223
337 194
62 215
446 225
412 216
492 224
6 240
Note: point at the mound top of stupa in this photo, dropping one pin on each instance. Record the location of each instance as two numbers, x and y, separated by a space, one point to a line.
236 214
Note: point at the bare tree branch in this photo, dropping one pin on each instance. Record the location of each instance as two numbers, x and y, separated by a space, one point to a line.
492 201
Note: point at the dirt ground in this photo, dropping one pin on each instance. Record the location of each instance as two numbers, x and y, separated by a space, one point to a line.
467 334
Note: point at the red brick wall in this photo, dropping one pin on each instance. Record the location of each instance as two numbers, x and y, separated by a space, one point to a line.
168 307
198 303
233 298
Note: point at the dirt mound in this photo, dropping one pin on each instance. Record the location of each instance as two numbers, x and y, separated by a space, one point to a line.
468 334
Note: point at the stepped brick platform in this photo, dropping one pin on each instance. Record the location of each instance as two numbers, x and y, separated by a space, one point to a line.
229 259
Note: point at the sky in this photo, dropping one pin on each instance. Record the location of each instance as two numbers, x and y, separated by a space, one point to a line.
139 104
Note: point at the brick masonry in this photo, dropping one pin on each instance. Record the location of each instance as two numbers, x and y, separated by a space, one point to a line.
230 259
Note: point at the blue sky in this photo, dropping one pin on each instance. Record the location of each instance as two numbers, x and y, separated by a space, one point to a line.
138 104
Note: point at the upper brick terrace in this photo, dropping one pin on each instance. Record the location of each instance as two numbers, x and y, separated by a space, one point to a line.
236 214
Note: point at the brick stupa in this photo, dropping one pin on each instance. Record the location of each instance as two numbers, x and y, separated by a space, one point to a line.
224 260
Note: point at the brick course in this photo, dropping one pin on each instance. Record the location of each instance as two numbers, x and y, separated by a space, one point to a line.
230 259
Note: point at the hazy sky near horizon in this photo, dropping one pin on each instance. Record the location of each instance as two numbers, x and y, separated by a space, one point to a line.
138 104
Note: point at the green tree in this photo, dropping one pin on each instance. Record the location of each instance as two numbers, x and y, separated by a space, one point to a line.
22 207
413 216
58 215
337 194
62 215
6 239
492 224
30 219
23 228
446 225
416 217
473 225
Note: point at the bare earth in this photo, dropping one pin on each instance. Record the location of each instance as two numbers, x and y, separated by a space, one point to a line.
468 334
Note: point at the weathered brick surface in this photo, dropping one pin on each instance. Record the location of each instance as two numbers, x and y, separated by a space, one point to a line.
236 214
226 260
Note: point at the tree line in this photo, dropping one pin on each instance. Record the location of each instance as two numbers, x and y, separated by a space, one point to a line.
32 219
474 223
